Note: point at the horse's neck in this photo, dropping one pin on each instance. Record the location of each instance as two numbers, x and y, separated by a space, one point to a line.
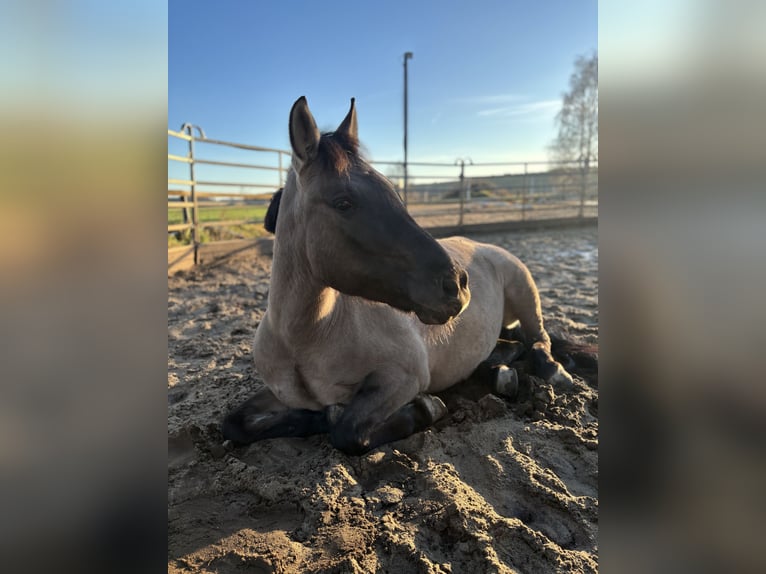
299 304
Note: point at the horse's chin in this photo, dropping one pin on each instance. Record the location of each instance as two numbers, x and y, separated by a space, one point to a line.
430 315
444 311
438 317
430 318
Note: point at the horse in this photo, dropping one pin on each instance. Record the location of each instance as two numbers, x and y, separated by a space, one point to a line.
368 315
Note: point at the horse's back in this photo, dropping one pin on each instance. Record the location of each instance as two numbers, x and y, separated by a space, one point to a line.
483 257
493 263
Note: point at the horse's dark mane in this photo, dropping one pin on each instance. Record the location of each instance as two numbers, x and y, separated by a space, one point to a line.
270 219
337 151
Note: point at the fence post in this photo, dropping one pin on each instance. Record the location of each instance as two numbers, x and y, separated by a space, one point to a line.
462 191
189 129
524 195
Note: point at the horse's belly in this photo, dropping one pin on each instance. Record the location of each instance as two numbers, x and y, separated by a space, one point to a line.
454 356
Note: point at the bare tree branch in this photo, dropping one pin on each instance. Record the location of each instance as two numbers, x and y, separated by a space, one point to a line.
577 120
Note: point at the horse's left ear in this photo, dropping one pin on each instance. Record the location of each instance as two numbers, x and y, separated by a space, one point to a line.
348 127
304 135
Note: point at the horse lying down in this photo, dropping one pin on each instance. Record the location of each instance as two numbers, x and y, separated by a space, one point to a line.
367 314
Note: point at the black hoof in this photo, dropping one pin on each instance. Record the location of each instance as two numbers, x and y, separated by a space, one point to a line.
506 383
234 429
550 371
433 407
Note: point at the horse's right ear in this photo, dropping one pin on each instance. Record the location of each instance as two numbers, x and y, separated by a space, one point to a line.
304 134
348 127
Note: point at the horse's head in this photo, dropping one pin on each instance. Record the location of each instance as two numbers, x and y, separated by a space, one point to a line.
359 238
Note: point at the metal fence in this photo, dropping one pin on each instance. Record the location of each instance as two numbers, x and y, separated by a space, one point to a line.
466 193
220 190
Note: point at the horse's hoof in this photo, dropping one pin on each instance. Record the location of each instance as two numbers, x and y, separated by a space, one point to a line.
240 427
506 382
551 371
433 405
333 413
561 380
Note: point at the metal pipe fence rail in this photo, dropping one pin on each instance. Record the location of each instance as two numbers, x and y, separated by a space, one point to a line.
219 191
197 201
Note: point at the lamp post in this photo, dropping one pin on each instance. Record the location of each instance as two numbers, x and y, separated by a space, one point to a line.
407 56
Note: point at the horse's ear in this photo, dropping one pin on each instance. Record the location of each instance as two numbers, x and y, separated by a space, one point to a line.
304 134
348 127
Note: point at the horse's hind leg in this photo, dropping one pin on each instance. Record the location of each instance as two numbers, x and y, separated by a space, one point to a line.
522 302
262 416
495 370
367 422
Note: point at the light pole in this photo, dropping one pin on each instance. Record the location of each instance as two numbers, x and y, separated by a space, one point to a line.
407 56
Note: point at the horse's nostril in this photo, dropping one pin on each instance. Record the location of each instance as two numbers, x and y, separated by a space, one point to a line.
450 286
455 283
463 278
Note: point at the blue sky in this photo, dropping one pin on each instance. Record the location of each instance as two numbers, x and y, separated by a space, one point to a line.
485 81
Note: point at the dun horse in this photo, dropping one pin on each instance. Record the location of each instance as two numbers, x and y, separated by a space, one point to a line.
368 315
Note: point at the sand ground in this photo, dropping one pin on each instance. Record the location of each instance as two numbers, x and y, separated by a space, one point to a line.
495 486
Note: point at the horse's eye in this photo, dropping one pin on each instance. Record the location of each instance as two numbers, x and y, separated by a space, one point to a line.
342 204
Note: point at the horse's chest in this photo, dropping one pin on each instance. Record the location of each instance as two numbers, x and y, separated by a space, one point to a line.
310 378
313 385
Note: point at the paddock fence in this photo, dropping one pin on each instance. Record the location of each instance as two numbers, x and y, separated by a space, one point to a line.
219 191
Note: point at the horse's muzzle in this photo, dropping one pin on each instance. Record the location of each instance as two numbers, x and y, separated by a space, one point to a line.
453 300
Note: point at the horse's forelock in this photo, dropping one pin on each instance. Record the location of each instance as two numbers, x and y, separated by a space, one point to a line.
338 152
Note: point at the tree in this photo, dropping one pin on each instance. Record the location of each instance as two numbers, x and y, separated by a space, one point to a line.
577 121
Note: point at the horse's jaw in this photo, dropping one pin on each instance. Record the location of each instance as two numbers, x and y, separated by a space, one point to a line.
442 316
432 319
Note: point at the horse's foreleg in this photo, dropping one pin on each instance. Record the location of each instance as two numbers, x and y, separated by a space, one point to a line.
262 416
417 415
523 303
374 418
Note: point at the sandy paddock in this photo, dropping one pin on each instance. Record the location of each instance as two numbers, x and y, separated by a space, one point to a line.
494 487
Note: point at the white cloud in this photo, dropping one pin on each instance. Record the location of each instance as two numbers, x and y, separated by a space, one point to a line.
542 108
490 99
